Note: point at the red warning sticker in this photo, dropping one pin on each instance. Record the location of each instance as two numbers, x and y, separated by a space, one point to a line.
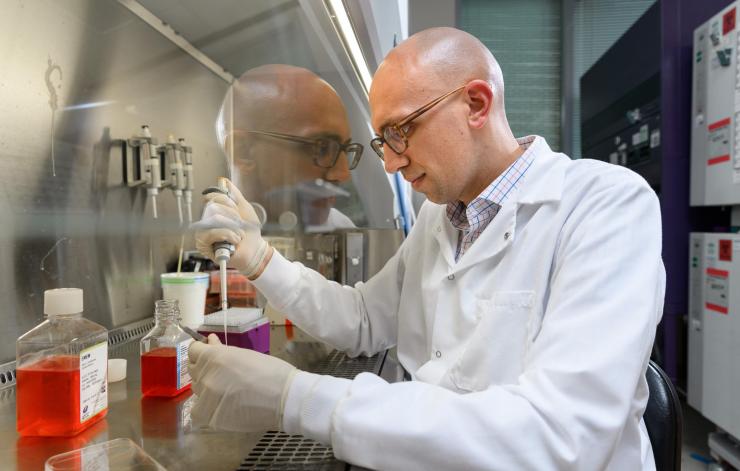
719 159
719 124
719 273
717 290
717 308
725 250
719 141
728 21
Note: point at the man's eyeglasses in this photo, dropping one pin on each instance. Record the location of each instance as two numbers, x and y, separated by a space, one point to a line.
395 135
325 150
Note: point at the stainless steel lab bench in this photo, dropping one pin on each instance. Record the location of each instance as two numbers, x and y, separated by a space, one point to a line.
162 426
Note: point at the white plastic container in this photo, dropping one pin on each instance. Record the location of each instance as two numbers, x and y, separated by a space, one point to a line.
116 369
190 290
61 370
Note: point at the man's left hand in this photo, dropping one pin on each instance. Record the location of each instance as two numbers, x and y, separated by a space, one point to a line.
238 390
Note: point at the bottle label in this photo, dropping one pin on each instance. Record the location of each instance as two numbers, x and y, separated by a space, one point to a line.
93 383
183 375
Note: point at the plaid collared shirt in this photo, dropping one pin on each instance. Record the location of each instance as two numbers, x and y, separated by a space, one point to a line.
473 219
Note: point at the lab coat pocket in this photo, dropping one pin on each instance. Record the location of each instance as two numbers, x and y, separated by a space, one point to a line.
495 352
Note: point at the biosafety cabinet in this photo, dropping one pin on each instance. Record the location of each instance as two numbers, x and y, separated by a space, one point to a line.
715 118
115 114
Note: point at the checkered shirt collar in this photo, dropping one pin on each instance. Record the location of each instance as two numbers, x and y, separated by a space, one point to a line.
482 210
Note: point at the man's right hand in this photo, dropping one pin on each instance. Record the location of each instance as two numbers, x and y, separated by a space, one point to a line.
232 219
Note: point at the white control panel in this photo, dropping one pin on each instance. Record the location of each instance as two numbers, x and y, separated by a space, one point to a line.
715 119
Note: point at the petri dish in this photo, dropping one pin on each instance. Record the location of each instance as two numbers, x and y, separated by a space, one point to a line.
114 455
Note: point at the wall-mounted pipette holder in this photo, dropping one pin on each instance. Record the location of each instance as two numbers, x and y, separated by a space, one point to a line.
156 167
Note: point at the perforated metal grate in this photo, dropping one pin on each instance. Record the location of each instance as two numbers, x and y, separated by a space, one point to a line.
129 332
123 349
340 365
277 450
7 375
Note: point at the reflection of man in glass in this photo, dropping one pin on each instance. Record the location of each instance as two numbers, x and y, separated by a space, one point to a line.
291 145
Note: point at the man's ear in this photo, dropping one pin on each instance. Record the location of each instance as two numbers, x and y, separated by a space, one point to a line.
479 96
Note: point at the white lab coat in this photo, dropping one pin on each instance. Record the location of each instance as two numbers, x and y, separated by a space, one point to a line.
335 220
528 353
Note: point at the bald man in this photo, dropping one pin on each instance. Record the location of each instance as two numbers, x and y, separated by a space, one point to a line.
523 303
289 130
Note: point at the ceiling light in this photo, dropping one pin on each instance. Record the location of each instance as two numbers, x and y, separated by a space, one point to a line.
342 22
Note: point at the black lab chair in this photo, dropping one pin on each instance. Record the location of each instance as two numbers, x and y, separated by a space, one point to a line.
663 419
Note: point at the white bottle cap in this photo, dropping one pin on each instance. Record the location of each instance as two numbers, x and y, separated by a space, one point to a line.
62 301
116 369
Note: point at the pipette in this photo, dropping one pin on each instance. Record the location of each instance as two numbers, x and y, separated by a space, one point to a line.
196 336
223 251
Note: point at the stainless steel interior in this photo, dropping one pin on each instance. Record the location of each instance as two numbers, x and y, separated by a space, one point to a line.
79 75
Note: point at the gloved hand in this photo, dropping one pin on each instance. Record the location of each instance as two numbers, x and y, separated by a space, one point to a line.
238 390
232 219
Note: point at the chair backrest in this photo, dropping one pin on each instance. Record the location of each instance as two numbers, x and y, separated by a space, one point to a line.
663 419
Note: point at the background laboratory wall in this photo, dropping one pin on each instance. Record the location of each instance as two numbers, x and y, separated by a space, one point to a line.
524 36
530 41
596 26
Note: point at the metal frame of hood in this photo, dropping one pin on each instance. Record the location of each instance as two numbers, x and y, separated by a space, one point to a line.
166 30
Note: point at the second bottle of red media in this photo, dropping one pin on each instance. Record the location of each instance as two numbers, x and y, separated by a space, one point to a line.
164 354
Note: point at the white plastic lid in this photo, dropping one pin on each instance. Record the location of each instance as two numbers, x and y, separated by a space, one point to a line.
116 369
62 301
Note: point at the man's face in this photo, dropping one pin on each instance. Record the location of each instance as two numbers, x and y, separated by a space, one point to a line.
438 158
282 170
279 162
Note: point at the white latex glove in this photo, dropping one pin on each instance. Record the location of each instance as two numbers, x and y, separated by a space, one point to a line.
232 219
238 390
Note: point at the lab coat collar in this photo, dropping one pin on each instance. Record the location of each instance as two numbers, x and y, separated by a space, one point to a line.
543 183
544 179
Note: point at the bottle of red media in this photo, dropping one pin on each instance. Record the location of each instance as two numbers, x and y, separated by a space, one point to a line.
61 367
164 353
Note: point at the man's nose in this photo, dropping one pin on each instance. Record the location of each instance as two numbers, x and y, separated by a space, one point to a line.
393 162
339 172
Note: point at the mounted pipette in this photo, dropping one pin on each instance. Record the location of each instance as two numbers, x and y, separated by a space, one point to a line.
144 168
174 169
187 156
